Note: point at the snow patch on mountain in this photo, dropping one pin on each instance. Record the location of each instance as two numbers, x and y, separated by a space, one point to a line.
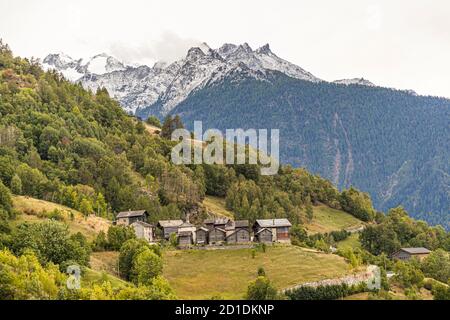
358 81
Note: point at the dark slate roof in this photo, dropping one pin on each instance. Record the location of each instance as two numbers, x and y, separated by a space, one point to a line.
241 223
420 250
144 224
129 214
273 223
170 223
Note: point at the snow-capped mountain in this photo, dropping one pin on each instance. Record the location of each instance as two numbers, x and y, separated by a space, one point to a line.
140 87
75 69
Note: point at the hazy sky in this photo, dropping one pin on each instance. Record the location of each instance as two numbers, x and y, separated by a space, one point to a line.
402 43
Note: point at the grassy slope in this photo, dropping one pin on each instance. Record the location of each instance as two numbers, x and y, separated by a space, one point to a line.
327 219
351 242
91 276
216 205
89 226
202 274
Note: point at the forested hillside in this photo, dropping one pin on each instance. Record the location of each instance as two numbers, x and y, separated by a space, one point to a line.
392 144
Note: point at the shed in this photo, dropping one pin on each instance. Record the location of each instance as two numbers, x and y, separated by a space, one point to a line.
185 238
201 235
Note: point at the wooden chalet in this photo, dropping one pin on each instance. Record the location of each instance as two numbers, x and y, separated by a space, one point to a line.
127 218
409 253
278 227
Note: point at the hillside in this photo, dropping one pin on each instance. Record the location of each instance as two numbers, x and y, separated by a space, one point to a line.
327 219
202 273
35 210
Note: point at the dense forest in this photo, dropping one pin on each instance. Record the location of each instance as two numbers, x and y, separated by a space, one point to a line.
392 144
61 143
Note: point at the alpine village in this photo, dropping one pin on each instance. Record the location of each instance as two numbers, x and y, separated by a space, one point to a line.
86 186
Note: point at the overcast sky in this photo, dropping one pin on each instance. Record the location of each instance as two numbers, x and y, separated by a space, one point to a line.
401 43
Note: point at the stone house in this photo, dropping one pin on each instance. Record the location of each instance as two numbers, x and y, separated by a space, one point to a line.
144 230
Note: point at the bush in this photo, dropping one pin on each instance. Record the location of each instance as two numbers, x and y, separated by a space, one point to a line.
261 289
146 266
118 235
128 253
51 242
327 292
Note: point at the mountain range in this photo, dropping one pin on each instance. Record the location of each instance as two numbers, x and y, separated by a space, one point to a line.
390 143
138 87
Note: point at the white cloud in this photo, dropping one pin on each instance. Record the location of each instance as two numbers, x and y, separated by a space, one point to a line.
168 47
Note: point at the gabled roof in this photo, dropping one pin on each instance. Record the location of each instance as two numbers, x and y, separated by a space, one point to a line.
185 234
170 223
203 228
262 230
273 223
419 250
144 224
186 225
239 230
221 230
129 214
241 224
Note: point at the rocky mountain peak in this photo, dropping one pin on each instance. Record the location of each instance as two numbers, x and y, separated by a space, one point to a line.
265 49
